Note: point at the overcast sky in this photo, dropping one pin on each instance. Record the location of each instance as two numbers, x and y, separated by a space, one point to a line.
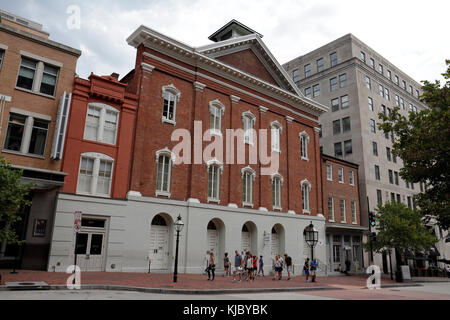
413 35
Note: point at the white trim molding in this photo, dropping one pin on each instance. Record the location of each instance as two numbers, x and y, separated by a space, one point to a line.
304 135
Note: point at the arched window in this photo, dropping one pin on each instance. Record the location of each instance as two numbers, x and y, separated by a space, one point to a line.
275 130
304 141
101 123
216 110
214 168
171 96
165 159
158 220
211 226
248 122
95 174
306 189
277 183
248 176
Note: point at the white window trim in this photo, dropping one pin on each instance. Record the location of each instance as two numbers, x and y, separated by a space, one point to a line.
173 90
171 155
101 122
275 125
252 172
216 104
219 165
332 211
248 133
343 216
331 172
305 136
343 179
352 174
273 177
306 183
97 157
354 221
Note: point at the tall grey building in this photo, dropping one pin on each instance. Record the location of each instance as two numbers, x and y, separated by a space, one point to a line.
357 83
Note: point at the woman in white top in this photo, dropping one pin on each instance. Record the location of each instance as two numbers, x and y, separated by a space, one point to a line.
249 266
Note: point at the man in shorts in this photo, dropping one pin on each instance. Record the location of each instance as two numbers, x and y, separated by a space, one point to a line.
314 266
288 262
237 269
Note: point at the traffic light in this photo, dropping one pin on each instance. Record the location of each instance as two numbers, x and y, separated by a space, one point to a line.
371 219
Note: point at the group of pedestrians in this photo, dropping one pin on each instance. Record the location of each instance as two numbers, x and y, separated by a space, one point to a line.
247 267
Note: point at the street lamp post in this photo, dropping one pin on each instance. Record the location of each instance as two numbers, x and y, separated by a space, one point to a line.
178 227
311 237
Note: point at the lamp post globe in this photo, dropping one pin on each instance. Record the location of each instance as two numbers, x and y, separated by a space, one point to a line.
311 237
179 224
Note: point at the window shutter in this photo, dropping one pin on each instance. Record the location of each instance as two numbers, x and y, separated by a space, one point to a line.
61 126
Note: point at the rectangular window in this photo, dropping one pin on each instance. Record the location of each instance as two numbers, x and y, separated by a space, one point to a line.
2 53
343 80
409 202
397 101
372 63
372 126
333 84
362 56
411 90
383 109
417 91
335 105
329 172
276 193
380 90
14 133
402 103
398 198
392 197
110 127
388 153
101 124
307 70
169 104
333 59
49 79
216 119
275 132
213 182
247 188
27 73
375 148
421 186
377 172
336 127
344 102
162 182
104 177
348 147
404 84
341 175
296 75
38 137
342 210
412 185
85 175
394 158
391 177
396 80
353 207
370 102
410 107
386 93
338 149
331 209
389 75
346 124
380 68
396 177
316 90
351 177
379 197
319 64
308 92
368 84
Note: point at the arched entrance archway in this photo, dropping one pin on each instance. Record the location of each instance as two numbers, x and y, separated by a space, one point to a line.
215 238
277 240
249 238
160 241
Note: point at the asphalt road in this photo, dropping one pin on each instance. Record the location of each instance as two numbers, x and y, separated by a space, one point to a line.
429 291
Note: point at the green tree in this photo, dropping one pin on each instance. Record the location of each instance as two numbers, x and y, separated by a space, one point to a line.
13 197
422 141
400 228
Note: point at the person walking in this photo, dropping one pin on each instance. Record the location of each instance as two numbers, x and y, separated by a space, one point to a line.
261 266
237 270
278 267
314 266
255 266
288 262
347 266
306 269
249 267
211 266
226 265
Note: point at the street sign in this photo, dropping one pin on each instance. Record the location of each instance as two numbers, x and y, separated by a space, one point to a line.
77 221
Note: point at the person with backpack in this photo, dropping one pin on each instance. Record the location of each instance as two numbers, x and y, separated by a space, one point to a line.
306 268
261 266
314 266
288 261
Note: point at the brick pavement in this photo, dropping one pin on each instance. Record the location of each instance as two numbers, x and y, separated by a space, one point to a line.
186 281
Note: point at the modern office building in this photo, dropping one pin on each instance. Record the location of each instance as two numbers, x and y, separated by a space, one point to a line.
357 83
36 79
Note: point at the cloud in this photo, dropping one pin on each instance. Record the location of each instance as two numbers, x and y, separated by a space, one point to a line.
408 35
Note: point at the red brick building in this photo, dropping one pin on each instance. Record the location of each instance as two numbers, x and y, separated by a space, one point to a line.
342 213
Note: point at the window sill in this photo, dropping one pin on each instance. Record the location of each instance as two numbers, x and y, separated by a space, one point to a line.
247 204
306 212
329 179
277 208
101 142
213 200
169 121
306 159
23 154
93 194
215 133
36 93
162 193
276 151
331 220
342 182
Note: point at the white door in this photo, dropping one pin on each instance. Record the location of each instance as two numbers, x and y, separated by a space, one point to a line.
275 245
90 251
159 247
245 241
213 241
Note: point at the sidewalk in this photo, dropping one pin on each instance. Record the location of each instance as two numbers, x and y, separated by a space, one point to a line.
192 283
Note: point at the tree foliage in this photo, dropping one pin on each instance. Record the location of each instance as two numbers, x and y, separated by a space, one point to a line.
401 228
422 141
13 197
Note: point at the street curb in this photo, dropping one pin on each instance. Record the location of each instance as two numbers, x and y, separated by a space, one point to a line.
428 281
401 285
181 291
